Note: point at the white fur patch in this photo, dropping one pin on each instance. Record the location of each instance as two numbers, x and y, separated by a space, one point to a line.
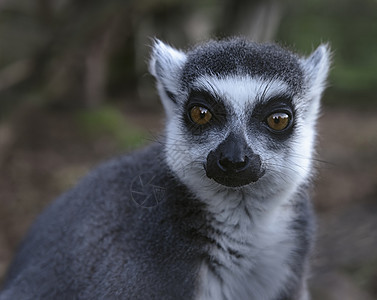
167 58
264 243
240 91
165 65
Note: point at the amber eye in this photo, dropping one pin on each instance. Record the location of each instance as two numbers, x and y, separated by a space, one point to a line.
278 121
200 115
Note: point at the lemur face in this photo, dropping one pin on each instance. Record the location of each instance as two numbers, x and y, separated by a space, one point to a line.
239 115
239 125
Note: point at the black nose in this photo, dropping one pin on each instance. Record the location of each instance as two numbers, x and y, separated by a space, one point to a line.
233 163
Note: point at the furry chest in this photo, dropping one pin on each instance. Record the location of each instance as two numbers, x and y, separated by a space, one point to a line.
252 264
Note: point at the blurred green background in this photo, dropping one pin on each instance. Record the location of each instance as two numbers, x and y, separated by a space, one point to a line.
75 90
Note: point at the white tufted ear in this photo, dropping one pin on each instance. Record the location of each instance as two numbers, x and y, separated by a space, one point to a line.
166 66
316 68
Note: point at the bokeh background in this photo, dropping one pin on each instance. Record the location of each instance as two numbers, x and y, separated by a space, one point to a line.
74 91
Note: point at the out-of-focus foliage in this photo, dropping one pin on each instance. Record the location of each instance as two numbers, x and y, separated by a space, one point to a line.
350 26
81 53
110 122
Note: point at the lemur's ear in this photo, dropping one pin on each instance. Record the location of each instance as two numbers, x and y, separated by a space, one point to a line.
166 66
316 68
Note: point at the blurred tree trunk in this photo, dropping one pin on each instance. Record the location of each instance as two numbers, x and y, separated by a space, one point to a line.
45 11
255 19
6 141
96 61
262 23
77 72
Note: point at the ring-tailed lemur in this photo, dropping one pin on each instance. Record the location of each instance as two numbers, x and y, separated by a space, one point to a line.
218 209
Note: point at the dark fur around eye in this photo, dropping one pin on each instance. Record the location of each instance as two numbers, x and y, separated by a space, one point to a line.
205 100
279 104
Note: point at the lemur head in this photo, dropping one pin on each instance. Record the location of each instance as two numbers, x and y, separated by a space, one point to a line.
240 115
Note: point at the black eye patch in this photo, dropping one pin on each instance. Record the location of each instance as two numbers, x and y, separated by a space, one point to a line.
205 101
280 105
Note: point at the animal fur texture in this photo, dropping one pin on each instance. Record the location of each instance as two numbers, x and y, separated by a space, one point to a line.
217 209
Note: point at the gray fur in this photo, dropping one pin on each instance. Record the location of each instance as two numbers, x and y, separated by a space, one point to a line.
95 242
239 56
152 225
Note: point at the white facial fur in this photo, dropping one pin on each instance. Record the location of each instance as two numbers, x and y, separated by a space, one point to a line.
186 159
265 202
